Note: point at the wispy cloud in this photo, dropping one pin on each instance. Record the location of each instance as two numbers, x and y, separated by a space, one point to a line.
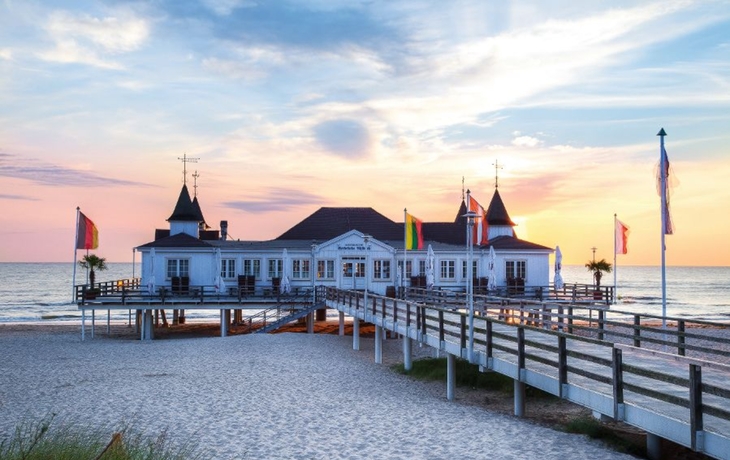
5 196
275 200
52 174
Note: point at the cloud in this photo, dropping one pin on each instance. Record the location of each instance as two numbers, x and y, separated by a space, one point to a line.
4 196
90 40
53 174
526 141
346 138
226 7
281 199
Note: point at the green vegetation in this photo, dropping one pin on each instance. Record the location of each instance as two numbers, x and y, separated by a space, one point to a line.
92 262
48 440
597 267
594 429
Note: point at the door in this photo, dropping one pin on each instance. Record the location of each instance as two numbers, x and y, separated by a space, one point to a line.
353 273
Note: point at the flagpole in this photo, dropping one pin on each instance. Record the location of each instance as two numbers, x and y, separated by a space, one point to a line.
663 187
615 265
405 250
76 240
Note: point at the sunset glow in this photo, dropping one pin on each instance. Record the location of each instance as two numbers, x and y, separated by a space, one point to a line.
294 105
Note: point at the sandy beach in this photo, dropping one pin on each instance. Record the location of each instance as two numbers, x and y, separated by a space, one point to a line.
273 396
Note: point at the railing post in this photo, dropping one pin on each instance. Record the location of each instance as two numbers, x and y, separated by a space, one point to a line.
408 314
680 337
562 365
422 312
570 319
462 332
618 384
695 406
441 327
601 319
383 306
637 331
489 339
560 317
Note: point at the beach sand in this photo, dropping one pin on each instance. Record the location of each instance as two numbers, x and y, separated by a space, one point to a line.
269 396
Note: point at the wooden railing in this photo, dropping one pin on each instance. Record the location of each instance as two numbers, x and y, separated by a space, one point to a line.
574 293
576 353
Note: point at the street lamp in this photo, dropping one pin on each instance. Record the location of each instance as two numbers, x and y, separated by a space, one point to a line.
366 240
471 217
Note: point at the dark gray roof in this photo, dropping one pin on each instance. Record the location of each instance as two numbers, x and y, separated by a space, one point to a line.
497 212
327 223
184 210
179 240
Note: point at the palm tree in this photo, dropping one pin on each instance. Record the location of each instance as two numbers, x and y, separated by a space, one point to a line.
93 262
598 267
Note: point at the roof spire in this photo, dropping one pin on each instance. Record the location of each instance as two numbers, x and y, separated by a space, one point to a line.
463 197
496 173
185 161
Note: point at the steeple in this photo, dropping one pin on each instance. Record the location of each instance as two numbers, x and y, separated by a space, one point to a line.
498 218
184 210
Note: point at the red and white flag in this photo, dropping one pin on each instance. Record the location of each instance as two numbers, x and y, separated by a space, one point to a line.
480 231
622 237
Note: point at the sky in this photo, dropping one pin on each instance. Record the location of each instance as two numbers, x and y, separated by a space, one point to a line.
288 106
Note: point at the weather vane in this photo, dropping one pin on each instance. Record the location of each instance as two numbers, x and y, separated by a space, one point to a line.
497 167
185 161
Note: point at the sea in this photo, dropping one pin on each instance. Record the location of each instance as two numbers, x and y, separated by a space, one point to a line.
43 292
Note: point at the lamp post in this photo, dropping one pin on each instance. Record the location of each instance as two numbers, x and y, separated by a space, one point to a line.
471 217
366 240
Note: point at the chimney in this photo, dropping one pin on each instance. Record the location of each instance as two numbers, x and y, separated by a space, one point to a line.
224 230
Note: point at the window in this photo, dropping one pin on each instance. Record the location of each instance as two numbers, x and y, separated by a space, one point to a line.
275 268
474 269
178 267
326 269
421 267
448 269
516 269
228 268
349 267
300 269
252 267
381 269
409 268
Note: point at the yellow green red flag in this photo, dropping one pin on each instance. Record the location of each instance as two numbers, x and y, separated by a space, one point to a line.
414 233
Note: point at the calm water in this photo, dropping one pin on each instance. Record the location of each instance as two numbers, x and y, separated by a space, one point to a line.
42 291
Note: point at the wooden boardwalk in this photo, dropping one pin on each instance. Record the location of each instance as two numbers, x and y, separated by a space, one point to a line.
663 392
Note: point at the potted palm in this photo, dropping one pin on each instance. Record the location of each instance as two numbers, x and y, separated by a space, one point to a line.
598 267
92 262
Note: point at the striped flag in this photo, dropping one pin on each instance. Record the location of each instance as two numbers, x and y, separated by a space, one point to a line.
665 191
87 236
414 233
481 228
622 238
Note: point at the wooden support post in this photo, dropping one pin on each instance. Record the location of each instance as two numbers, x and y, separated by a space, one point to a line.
310 322
695 407
570 320
407 353
355 333
560 318
637 331
224 323
441 327
450 376
378 344
519 386
490 341
618 384
342 323
422 311
519 390
653 446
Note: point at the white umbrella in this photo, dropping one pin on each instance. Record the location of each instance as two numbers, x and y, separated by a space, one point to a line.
558 280
220 285
284 286
492 283
151 275
430 268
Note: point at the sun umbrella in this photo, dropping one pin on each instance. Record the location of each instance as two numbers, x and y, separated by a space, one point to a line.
151 275
285 286
220 285
430 268
558 280
492 284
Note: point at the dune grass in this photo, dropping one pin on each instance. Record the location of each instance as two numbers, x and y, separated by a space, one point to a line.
51 439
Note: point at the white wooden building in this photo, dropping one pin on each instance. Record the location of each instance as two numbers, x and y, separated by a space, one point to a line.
351 248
